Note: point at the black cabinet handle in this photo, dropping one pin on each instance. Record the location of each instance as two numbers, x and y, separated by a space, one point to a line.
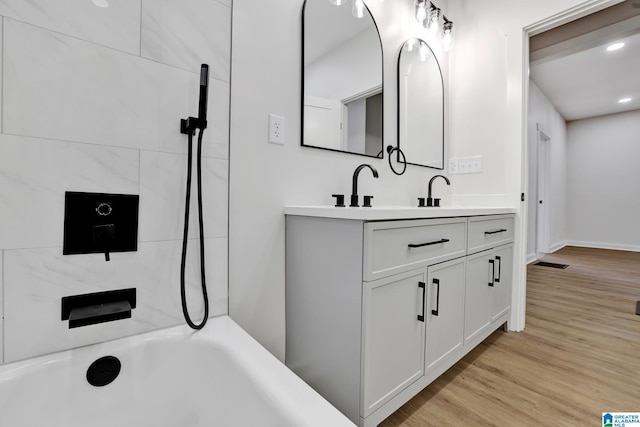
435 242
493 272
496 231
499 268
422 286
437 283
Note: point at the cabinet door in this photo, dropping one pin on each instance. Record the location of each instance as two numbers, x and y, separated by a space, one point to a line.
503 256
393 337
445 310
478 297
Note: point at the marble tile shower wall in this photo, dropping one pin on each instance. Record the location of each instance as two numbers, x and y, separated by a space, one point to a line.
91 101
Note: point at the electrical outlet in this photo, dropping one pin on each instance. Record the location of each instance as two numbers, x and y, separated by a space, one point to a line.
453 166
276 129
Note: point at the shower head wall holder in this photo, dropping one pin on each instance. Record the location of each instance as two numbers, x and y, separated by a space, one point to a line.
190 125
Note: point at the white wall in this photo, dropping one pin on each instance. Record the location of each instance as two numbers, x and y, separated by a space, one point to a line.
543 113
265 177
488 103
603 174
91 101
485 115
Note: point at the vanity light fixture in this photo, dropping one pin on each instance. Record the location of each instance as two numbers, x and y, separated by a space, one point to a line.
421 11
428 14
624 100
434 17
615 46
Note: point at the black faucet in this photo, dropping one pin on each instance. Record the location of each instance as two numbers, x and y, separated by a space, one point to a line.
354 187
431 201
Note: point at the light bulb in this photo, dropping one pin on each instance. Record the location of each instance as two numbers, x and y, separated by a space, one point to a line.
338 2
421 11
435 14
357 8
446 37
434 17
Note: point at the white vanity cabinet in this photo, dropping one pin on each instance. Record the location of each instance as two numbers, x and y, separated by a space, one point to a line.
393 337
377 309
445 312
489 276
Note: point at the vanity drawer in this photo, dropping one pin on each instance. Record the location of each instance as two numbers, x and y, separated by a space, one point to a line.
489 232
392 247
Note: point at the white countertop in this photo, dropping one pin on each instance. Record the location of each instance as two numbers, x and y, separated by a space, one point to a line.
377 213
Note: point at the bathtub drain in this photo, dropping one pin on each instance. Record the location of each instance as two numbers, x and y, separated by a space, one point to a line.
103 371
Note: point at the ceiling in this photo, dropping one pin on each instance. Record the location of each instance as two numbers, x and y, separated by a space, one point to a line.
573 68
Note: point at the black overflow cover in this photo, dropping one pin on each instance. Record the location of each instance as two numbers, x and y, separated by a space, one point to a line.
103 371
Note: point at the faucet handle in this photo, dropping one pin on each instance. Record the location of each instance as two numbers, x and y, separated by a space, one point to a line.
339 200
367 201
436 203
421 202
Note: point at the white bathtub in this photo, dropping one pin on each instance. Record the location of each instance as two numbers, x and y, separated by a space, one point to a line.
218 376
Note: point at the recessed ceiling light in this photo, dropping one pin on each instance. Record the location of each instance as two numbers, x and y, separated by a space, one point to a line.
100 3
623 100
615 46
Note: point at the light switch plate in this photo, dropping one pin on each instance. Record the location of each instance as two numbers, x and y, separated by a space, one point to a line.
470 164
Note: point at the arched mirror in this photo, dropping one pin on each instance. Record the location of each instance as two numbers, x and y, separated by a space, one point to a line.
420 105
341 78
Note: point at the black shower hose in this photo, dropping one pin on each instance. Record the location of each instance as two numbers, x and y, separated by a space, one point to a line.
185 236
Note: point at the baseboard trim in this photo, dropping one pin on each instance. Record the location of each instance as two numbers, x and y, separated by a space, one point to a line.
534 256
557 247
600 245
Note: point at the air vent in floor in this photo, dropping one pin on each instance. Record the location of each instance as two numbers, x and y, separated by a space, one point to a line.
551 264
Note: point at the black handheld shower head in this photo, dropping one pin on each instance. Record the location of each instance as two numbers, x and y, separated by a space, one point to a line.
204 89
189 125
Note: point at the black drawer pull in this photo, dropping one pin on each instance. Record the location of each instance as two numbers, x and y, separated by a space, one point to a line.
419 245
437 310
493 272
422 286
496 231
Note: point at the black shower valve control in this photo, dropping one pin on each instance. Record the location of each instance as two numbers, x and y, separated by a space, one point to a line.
367 201
104 235
339 200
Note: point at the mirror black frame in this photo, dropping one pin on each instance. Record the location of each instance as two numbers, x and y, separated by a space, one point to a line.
408 160
380 154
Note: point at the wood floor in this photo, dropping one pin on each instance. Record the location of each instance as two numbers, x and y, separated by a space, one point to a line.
579 355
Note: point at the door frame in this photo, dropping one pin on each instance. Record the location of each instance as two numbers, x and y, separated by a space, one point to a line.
543 162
